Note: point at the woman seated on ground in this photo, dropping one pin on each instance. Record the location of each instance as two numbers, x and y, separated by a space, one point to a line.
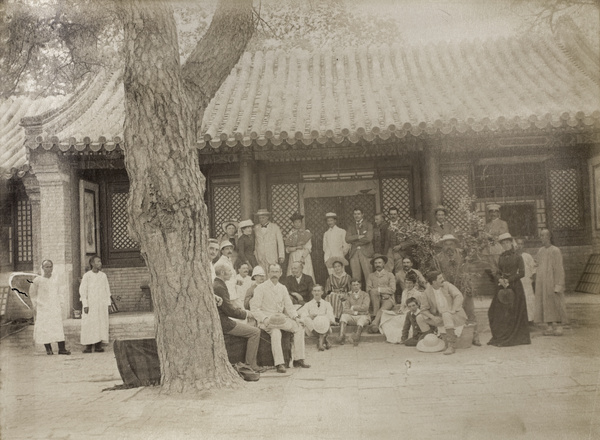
508 312
392 321
337 285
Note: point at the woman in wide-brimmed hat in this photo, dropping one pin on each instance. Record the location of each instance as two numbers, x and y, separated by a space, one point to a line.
246 244
298 244
337 285
508 312
230 232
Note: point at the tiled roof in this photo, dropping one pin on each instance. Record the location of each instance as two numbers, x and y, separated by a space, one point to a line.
504 84
13 155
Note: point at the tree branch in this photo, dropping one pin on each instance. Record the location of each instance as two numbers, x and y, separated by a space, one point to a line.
217 52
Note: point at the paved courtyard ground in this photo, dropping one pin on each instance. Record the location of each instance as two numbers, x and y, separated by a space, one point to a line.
548 390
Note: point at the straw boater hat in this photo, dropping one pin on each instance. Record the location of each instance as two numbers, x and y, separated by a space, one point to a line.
245 223
430 344
377 256
505 236
331 260
276 320
296 216
440 208
258 270
448 237
263 212
224 244
213 241
493 207
331 215
321 324
229 222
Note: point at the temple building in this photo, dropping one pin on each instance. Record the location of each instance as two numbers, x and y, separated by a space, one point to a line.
514 121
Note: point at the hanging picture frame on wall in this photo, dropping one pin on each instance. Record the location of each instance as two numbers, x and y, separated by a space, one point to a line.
89 223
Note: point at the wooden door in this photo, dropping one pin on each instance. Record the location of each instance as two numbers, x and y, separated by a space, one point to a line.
315 209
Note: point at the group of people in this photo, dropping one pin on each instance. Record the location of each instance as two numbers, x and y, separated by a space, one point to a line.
383 292
48 299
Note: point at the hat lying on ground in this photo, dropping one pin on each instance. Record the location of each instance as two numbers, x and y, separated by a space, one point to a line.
321 324
430 344
331 260
258 270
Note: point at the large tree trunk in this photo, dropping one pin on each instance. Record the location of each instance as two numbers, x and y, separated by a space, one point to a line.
166 207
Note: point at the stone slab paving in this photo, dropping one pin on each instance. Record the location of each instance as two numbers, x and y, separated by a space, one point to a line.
548 390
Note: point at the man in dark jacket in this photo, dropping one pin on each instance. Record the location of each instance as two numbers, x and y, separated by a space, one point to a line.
299 285
420 329
227 311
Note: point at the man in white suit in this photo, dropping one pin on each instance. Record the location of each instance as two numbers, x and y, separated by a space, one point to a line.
269 241
334 239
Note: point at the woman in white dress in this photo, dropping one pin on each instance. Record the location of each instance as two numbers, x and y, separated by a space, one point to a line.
47 308
298 244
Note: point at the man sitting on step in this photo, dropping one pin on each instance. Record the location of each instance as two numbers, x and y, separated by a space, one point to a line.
355 312
317 315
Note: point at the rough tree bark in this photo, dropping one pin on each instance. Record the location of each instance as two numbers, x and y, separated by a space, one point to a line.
166 205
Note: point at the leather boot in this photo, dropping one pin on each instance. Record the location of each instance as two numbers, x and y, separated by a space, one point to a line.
320 343
451 340
356 338
88 348
326 343
48 349
342 333
62 349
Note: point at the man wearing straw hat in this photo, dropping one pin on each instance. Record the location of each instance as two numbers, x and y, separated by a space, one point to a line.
274 312
270 248
334 240
495 227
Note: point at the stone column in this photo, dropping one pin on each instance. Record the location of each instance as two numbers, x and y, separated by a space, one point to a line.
53 238
432 181
247 194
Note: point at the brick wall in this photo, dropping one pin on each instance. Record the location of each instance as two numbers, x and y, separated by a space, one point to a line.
125 288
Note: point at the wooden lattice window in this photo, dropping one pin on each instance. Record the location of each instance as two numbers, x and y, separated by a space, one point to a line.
454 188
118 214
24 232
395 191
565 190
499 181
284 202
118 248
226 204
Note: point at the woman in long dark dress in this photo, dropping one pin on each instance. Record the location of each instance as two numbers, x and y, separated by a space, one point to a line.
508 313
